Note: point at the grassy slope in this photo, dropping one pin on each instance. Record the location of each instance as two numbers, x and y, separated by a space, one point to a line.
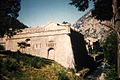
18 66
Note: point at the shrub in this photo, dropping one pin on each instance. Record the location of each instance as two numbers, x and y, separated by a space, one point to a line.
62 75
110 48
111 73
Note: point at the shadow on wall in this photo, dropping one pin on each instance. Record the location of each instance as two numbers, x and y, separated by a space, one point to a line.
82 59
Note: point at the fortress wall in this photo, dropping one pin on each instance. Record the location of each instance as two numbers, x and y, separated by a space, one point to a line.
64 51
52 42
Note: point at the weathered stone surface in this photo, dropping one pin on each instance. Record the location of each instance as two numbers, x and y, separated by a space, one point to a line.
59 42
52 42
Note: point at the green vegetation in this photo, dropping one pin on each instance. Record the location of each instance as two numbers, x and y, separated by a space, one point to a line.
111 73
110 55
9 11
22 45
110 48
18 66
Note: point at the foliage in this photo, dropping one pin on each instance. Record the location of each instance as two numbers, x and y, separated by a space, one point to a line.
110 48
62 75
82 5
22 45
10 7
9 24
64 22
111 73
19 66
103 8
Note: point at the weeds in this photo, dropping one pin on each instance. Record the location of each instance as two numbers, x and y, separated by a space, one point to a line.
19 66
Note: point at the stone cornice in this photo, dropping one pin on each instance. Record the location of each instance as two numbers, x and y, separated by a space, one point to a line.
51 30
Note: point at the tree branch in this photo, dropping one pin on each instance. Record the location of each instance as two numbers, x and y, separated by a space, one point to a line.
109 26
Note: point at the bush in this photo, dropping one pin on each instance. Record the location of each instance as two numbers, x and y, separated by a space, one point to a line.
62 75
110 48
111 73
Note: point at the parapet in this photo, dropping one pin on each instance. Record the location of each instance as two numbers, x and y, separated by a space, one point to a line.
50 29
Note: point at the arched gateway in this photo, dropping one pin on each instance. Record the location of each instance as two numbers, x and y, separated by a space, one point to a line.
51 54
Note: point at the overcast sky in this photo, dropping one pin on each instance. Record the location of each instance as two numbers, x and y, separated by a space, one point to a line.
41 12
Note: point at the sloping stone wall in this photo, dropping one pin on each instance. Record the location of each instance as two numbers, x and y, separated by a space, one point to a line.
52 42
59 42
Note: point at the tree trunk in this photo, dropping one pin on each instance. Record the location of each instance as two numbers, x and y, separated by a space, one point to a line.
116 25
118 60
118 55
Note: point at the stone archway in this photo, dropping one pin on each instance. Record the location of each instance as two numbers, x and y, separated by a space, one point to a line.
51 54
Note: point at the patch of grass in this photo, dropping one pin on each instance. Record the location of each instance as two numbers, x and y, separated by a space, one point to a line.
18 66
